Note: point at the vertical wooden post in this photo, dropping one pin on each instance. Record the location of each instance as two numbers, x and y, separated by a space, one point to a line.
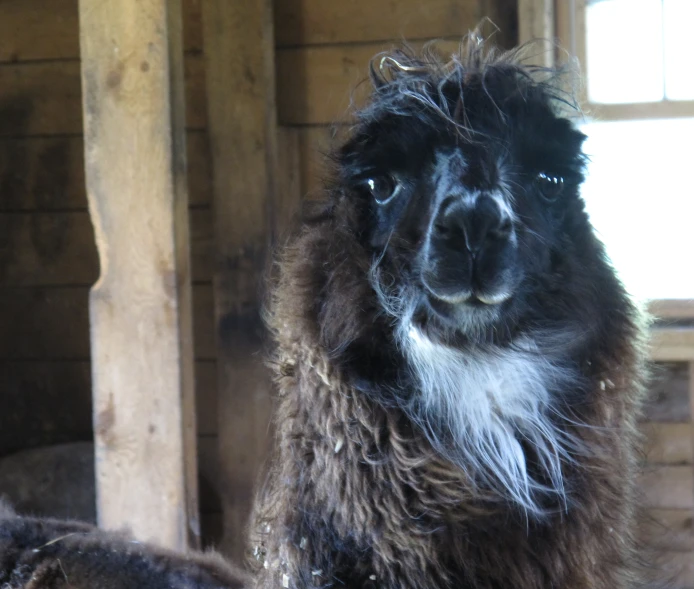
536 21
140 309
239 59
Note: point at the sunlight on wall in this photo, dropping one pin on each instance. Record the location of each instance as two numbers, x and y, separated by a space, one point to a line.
640 197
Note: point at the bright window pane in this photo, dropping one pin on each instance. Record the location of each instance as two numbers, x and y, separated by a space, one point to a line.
624 51
679 49
640 197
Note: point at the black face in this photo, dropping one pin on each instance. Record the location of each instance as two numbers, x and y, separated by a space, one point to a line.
468 216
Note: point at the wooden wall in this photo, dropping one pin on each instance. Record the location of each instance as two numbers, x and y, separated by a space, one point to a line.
48 260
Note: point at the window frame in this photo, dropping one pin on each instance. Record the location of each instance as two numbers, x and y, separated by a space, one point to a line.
564 22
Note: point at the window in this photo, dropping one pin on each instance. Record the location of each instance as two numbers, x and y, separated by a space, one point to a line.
638 94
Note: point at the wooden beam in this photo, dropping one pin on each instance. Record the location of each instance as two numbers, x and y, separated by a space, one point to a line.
239 59
140 309
672 344
536 22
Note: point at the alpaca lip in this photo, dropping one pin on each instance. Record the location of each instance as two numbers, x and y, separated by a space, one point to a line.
473 304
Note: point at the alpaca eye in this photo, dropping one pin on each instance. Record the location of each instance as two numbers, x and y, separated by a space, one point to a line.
382 188
550 187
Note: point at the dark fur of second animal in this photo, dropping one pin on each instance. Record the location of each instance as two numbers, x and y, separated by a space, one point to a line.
41 553
360 494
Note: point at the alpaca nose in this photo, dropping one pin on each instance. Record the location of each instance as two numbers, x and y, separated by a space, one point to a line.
462 225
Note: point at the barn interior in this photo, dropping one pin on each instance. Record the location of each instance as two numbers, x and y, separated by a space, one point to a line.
264 88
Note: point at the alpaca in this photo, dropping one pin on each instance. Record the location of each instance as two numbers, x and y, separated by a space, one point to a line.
51 554
459 371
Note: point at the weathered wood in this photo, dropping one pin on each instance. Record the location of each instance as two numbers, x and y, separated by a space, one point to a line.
47 173
49 29
239 60
536 23
206 396
287 201
670 344
668 401
317 85
43 98
668 487
140 309
670 529
669 443
312 22
53 323
677 569
315 144
672 308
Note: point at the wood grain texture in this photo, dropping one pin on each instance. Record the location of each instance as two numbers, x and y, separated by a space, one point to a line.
52 323
140 309
668 487
668 401
316 22
536 22
319 85
43 98
672 344
669 443
49 29
315 86
47 173
670 529
239 61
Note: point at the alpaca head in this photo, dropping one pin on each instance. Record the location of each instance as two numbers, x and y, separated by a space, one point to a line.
469 184
458 276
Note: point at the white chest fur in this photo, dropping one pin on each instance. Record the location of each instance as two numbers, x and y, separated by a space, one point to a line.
478 407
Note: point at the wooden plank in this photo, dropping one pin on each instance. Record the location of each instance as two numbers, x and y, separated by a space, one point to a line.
317 85
49 402
53 323
668 487
140 309
670 529
668 401
677 569
315 144
206 397
56 249
664 109
669 443
43 98
209 469
287 202
671 344
47 173
49 29
44 403
672 308
315 22
239 60
536 23
44 324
